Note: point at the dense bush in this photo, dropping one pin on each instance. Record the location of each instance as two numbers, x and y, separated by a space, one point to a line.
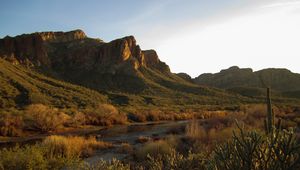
176 161
72 147
77 119
154 149
11 124
108 165
253 150
44 118
33 157
104 115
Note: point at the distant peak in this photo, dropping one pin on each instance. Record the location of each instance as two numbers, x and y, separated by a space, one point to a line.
233 68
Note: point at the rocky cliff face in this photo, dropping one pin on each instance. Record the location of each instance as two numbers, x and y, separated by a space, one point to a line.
24 49
37 47
31 49
62 36
75 57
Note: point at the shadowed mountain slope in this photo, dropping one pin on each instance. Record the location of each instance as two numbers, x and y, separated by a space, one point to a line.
244 81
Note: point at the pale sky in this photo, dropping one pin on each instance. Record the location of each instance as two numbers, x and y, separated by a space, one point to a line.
262 36
191 36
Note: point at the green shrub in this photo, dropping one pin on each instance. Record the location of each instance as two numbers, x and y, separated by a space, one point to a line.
33 157
176 161
252 150
108 165
23 158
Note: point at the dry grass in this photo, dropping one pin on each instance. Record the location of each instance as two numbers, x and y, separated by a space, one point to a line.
159 115
125 148
11 124
73 146
214 114
221 135
78 119
183 116
153 149
105 115
44 118
195 131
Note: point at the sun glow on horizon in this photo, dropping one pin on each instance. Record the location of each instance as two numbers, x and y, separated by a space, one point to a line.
266 37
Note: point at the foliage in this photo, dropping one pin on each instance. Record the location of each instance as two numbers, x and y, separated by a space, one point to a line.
108 165
153 149
11 124
194 130
104 115
21 86
44 118
253 150
33 157
72 147
176 161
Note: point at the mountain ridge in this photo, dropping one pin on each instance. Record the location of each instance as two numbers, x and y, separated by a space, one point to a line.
119 71
236 79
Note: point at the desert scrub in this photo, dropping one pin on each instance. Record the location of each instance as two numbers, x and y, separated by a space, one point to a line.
23 158
104 115
55 152
33 157
44 118
72 146
176 161
77 119
194 130
253 150
114 164
153 149
11 124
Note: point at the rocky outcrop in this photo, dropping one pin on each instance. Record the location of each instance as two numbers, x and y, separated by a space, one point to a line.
151 58
27 49
121 50
74 57
62 36
35 49
31 49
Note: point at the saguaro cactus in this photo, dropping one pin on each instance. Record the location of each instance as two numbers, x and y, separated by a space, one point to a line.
270 115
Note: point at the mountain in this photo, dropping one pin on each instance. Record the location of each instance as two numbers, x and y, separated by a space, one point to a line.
185 76
247 82
118 70
21 86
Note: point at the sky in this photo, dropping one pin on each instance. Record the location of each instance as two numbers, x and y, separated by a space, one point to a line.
191 36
